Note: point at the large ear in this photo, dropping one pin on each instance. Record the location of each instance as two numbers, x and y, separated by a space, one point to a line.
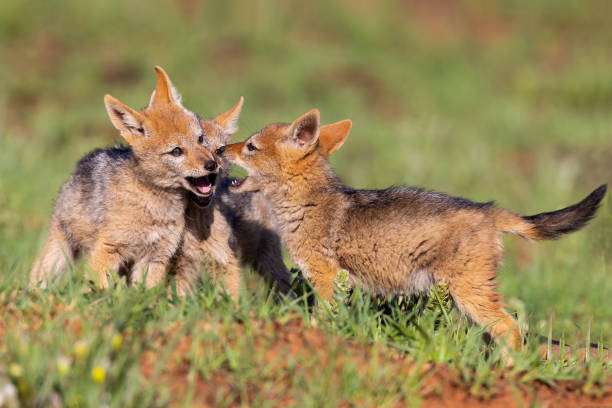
333 136
304 131
129 122
164 91
229 120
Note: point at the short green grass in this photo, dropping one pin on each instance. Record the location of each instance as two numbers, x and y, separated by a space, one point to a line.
500 100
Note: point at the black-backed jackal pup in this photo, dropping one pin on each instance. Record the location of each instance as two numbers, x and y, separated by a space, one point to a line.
123 207
399 240
229 230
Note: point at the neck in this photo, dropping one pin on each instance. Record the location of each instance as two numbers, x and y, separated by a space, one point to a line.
304 195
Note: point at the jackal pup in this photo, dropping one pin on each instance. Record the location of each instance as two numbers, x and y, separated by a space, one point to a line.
235 229
399 240
124 207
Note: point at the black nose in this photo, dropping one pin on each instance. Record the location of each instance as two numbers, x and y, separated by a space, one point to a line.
210 165
220 150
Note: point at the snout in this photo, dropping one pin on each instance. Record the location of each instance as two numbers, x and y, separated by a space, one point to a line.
210 165
201 181
229 152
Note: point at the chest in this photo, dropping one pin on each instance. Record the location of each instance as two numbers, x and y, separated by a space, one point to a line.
208 236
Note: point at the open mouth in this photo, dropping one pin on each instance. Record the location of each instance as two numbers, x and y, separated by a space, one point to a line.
237 182
202 186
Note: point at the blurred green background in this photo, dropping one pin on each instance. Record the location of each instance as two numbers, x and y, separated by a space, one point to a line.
505 100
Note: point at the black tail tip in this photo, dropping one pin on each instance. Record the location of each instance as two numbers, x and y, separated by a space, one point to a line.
551 225
599 193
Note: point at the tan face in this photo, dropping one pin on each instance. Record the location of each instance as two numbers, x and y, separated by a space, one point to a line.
167 141
281 151
261 155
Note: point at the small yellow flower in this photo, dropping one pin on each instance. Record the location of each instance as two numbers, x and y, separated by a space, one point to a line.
15 370
116 341
98 374
80 348
63 365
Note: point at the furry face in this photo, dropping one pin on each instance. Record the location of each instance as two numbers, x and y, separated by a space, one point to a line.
168 142
283 150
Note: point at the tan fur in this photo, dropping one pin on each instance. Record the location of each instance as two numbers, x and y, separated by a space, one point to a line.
391 241
125 206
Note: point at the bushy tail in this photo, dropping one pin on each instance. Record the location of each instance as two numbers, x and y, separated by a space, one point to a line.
551 225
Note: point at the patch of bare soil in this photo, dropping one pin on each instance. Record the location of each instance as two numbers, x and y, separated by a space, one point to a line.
279 351
280 357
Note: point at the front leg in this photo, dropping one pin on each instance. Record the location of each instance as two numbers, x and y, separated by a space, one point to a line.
152 272
104 257
321 274
230 278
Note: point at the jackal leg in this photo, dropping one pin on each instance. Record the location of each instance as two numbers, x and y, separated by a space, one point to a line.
104 257
475 294
53 259
152 272
322 274
186 275
270 265
229 277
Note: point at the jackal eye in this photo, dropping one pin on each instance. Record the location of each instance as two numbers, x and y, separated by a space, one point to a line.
176 152
201 139
251 147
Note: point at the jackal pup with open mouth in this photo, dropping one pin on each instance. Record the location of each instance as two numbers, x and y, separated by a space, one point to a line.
396 241
124 207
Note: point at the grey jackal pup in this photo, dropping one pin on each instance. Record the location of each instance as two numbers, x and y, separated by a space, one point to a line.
124 207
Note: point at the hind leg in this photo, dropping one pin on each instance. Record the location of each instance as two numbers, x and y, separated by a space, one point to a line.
53 260
475 294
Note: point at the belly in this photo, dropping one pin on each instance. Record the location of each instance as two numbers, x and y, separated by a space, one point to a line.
393 276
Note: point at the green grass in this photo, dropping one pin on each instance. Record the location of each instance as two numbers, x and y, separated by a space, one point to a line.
495 100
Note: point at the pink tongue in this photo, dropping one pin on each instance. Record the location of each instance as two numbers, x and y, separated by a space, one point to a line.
203 186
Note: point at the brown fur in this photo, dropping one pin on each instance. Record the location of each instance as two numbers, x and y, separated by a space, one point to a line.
125 206
235 230
394 241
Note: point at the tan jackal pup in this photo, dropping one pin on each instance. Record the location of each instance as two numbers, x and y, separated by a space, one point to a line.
230 231
123 207
399 240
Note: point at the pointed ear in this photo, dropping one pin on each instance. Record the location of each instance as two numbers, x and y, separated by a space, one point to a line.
333 136
229 120
304 131
164 91
129 122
